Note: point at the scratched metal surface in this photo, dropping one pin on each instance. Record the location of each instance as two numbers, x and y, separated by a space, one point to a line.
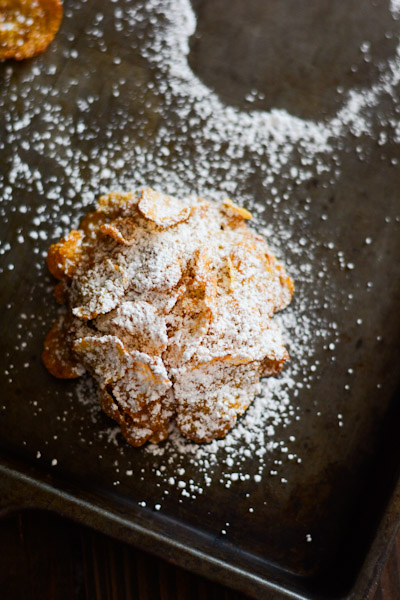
347 474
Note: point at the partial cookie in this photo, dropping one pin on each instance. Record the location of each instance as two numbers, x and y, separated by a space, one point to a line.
27 26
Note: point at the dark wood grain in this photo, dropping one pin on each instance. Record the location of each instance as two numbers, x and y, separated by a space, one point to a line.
45 557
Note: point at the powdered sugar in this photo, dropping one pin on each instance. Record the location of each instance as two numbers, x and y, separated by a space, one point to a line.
180 137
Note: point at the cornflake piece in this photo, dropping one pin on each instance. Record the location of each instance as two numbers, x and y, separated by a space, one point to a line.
112 279
105 357
210 396
91 226
58 356
150 421
139 326
145 381
122 230
234 210
117 204
63 257
170 307
191 316
27 26
164 210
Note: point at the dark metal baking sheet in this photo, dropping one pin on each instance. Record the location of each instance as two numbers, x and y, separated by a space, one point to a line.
345 490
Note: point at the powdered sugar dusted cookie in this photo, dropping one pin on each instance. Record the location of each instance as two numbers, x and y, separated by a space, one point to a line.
169 306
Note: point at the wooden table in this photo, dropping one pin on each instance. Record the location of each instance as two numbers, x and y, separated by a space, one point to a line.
45 557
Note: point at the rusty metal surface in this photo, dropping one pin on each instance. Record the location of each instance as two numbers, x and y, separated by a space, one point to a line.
344 491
